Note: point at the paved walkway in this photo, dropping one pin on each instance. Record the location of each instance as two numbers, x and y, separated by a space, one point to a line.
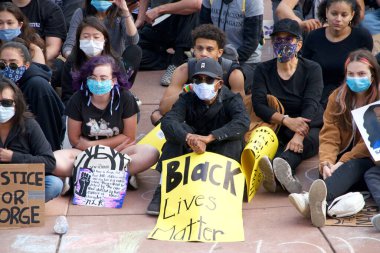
271 224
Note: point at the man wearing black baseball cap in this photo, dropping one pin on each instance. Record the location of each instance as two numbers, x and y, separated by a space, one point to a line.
209 118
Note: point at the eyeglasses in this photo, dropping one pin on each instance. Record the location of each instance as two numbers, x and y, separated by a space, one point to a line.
207 79
283 39
7 102
11 65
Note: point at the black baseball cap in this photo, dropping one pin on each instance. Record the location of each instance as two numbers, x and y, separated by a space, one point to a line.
208 67
289 26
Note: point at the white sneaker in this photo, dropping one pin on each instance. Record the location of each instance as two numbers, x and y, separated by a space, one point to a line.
376 221
301 202
283 173
66 186
317 202
266 168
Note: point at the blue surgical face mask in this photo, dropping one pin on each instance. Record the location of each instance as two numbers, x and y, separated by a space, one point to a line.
13 74
101 6
6 113
99 88
9 34
204 91
358 84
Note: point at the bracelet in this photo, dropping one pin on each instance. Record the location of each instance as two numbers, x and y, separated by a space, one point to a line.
127 16
283 118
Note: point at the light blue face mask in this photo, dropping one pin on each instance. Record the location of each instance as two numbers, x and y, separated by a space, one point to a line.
99 88
9 34
358 84
6 113
101 6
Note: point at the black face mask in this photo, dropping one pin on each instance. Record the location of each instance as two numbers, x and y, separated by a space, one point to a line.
227 1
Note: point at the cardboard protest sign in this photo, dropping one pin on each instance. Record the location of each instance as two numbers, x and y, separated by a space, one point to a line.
22 195
101 177
367 119
201 199
263 142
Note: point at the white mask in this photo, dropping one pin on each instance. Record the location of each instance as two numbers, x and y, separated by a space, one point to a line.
204 91
6 113
91 47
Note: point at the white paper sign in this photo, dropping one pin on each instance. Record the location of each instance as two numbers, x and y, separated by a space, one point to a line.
367 119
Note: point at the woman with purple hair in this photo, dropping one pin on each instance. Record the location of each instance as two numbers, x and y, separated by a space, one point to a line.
103 112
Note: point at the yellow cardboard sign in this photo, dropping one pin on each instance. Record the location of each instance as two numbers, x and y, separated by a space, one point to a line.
155 138
201 199
262 142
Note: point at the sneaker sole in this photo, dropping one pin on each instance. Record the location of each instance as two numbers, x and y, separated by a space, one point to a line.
376 221
283 175
153 213
269 182
296 204
317 202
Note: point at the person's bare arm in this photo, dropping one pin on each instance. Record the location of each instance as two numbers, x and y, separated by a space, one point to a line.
172 92
236 81
285 10
143 6
183 7
53 48
362 8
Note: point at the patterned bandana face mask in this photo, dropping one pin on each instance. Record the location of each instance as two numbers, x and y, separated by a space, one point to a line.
13 74
284 51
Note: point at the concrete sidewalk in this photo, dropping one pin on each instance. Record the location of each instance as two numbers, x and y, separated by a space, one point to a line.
271 224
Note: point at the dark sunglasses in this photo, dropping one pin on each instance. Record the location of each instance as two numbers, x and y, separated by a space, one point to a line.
207 79
11 65
7 102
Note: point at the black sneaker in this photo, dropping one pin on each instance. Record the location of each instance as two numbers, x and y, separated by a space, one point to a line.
167 77
154 205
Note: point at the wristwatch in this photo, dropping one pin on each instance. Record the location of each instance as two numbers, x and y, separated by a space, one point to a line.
283 118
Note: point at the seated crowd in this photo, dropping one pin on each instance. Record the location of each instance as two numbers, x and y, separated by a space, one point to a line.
62 69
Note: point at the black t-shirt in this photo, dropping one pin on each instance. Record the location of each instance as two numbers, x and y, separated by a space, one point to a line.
46 17
100 124
299 95
332 55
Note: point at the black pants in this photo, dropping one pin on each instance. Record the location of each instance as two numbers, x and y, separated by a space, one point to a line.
372 178
174 32
348 177
131 60
310 146
231 149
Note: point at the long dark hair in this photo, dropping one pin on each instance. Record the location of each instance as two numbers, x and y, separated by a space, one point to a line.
112 13
28 34
78 56
20 106
327 3
346 98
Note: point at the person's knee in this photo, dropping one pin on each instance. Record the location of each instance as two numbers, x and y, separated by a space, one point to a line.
53 187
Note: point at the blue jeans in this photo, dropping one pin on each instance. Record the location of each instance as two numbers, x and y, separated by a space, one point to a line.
371 21
372 178
53 187
348 177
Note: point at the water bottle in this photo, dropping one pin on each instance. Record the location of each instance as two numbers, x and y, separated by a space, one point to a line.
61 225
